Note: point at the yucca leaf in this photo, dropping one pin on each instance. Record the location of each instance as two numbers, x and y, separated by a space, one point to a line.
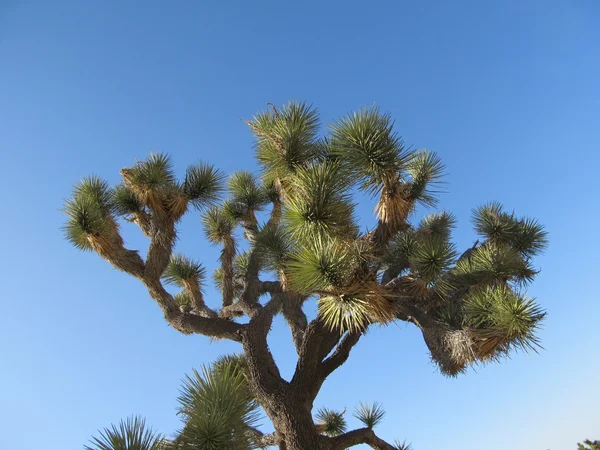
370 414
438 224
331 423
425 169
218 224
285 138
371 152
202 184
182 269
131 434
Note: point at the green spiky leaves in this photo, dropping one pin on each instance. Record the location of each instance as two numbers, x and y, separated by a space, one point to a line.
182 269
503 318
286 138
493 264
131 434
217 409
325 264
525 235
218 224
89 212
320 204
247 195
439 225
431 258
202 184
425 169
369 149
330 422
370 414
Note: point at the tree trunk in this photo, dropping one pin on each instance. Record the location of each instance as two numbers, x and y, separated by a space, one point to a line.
294 424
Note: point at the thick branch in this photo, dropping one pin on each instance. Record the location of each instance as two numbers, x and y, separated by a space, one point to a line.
295 317
357 437
340 355
318 341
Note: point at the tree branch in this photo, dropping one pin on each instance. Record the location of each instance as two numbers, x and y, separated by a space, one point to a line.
357 437
340 355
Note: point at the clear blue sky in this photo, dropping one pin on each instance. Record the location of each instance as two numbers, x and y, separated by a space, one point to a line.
507 92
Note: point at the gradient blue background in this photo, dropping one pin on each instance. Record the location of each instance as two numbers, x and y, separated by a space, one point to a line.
507 92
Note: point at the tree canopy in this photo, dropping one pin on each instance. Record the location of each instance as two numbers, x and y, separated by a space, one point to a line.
470 305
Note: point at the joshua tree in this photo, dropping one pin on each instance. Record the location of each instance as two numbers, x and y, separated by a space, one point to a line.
469 306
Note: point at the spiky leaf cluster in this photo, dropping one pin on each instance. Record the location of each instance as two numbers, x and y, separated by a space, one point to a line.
130 434
527 236
369 149
331 423
217 409
504 318
202 184
370 414
286 139
218 224
247 195
320 204
89 212
182 269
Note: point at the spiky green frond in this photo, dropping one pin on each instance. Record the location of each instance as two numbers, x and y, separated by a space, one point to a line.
96 191
182 269
155 172
131 434
218 409
245 190
320 205
332 423
493 223
529 238
369 149
426 170
203 184
438 224
236 362
125 201
274 247
491 264
183 300
402 445
345 312
89 212
431 258
286 138
370 414
499 313
218 224
324 264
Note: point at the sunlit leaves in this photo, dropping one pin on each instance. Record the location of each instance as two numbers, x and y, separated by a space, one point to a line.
324 264
217 408
218 225
131 434
431 258
499 313
320 204
286 138
89 212
368 148
182 269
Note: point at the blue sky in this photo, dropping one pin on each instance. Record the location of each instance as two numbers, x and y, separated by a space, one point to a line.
506 92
